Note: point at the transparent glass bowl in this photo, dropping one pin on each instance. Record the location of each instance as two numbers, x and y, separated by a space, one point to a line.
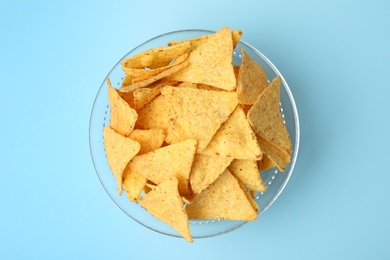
274 179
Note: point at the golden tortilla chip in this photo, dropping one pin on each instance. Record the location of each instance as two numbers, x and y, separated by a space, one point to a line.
175 132
248 173
206 169
265 163
194 42
122 116
155 78
154 115
149 140
280 158
133 184
127 80
251 80
143 96
164 203
156 57
138 75
250 198
223 199
169 161
266 118
211 62
119 151
235 138
199 112
236 36
127 96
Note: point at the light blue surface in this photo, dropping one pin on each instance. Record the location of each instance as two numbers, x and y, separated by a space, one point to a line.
335 56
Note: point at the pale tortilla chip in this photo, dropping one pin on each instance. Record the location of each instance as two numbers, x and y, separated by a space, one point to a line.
119 151
154 115
266 118
235 138
169 161
199 112
206 169
164 203
149 140
248 173
211 62
223 199
280 158
122 116
251 80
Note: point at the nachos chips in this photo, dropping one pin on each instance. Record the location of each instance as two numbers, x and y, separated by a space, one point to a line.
190 132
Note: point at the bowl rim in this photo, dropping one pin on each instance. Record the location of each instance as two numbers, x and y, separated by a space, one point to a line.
286 87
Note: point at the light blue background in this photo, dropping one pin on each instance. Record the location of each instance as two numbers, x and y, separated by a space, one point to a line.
335 55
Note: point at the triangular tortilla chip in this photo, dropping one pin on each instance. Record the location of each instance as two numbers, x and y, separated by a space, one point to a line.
143 96
266 118
175 132
199 112
122 116
155 78
211 62
138 75
119 150
235 138
223 199
169 161
149 140
156 57
236 36
280 158
206 169
133 184
265 163
251 80
154 115
248 173
249 196
165 204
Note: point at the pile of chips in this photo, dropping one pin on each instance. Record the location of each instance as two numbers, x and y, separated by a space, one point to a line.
190 132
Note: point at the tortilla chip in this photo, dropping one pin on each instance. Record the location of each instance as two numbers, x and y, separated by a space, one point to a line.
149 140
143 96
250 198
248 173
235 138
199 112
251 80
155 78
266 118
265 163
175 132
164 203
127 96
138 75
154 115
169 161
133 184
236 36
206 169
280 158
211 62
122 116
223 199
127 80
119 151
156 57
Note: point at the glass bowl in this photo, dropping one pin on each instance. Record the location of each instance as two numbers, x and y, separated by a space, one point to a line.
272 178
